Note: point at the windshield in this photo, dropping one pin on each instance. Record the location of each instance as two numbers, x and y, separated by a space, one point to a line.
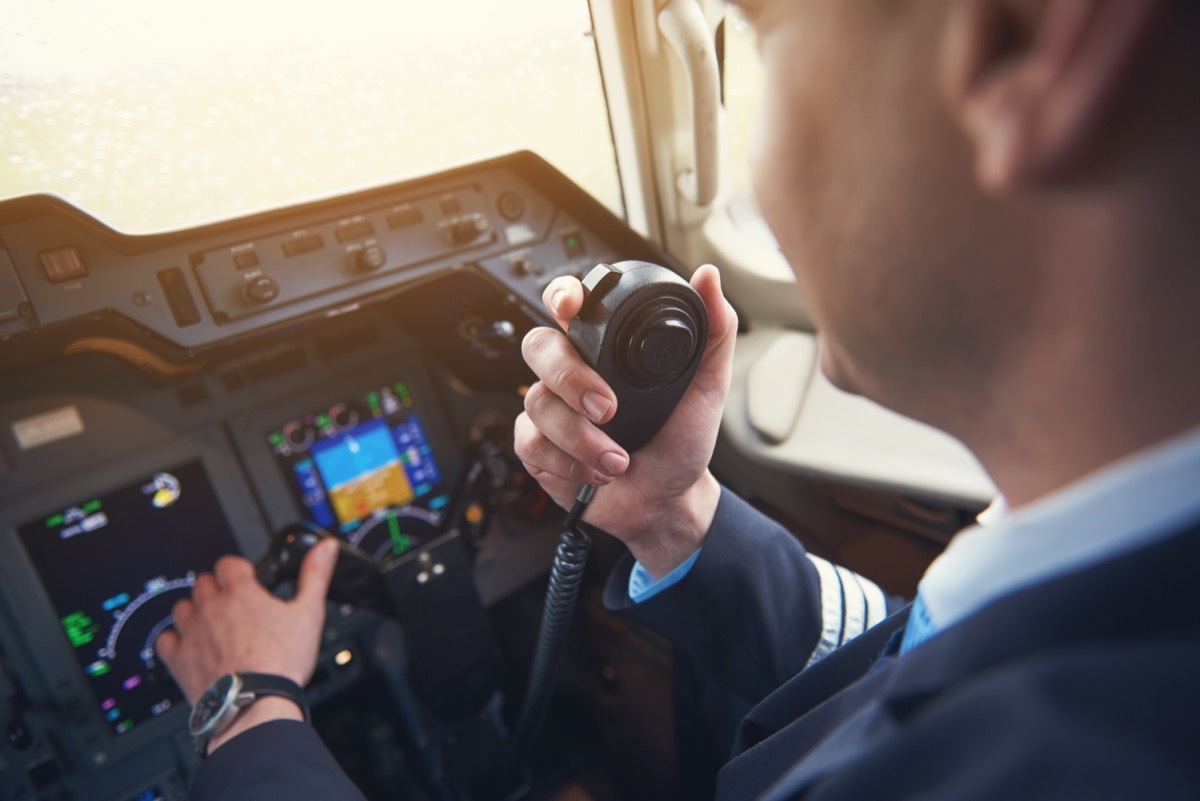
153 116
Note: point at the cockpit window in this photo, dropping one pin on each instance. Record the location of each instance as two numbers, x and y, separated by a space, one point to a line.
154 116
743 87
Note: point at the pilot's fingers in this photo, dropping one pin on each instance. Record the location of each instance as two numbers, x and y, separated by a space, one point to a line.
563 297
181 614
557 473
540 455
717 363
172 651
166 645
316 571
579 439
205 588
722 319
230 571
562 491
564 372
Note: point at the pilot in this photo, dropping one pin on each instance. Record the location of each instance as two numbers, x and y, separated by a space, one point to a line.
990 209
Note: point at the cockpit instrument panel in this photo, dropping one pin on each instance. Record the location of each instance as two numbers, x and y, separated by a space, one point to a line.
364 468
172 398
112 610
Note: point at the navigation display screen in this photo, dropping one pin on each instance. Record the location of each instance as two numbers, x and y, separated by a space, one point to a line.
364 469
114 565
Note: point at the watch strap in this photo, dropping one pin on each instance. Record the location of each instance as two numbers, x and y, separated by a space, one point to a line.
256 685
225 699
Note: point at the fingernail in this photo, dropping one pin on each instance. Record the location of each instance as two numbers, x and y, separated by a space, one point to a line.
614 463
596 406
555 299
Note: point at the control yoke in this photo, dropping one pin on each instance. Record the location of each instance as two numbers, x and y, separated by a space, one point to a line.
357 579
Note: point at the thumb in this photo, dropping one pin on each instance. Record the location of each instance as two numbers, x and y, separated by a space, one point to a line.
316 571
715 367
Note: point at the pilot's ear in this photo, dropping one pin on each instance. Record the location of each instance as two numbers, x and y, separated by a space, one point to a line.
1031 81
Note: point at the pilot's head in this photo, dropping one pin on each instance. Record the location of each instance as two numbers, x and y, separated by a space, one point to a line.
955 181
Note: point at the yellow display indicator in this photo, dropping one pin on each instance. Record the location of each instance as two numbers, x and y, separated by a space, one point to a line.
380 488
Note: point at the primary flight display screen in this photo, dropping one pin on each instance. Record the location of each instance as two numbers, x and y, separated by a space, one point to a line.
364 469
114 565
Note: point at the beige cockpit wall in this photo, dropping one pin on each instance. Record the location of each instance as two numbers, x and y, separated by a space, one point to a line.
786 428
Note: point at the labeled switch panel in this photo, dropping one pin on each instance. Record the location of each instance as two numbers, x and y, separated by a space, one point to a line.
386 239
514 217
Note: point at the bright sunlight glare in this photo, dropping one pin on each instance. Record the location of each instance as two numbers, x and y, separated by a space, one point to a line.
155 115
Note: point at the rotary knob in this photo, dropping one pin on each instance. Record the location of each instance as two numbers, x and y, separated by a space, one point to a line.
467 229
260 290
370 258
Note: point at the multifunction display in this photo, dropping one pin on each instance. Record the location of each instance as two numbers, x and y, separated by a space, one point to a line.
364 469
113 566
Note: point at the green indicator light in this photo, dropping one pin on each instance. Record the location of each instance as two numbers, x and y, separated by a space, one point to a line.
401 543
80 629
91 506
323 420
276 438
54 521
402 391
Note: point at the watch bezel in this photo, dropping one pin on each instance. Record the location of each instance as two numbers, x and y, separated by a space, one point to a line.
216 708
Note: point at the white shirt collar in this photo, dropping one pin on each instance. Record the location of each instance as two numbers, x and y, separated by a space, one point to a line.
1122 507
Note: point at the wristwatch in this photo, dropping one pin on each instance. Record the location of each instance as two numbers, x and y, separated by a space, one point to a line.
216 710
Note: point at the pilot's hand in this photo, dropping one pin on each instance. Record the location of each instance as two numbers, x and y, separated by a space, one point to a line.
660 504
232 623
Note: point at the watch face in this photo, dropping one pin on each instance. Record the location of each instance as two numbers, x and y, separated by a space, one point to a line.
210 706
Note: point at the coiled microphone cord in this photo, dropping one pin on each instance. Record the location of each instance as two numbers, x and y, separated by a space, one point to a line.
566 578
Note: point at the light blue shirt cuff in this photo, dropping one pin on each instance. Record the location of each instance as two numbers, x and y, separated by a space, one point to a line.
642 585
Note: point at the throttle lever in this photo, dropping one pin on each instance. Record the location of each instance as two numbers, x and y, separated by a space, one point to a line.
357 577
643 329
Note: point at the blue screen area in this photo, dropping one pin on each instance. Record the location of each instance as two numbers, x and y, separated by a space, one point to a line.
312 494
349 457
365 467
417 457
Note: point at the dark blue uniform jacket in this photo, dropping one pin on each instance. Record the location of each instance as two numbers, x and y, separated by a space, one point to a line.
1083 687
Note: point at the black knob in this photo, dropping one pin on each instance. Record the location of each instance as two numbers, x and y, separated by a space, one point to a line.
343 417
466 229
370 258
262 289
524 267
